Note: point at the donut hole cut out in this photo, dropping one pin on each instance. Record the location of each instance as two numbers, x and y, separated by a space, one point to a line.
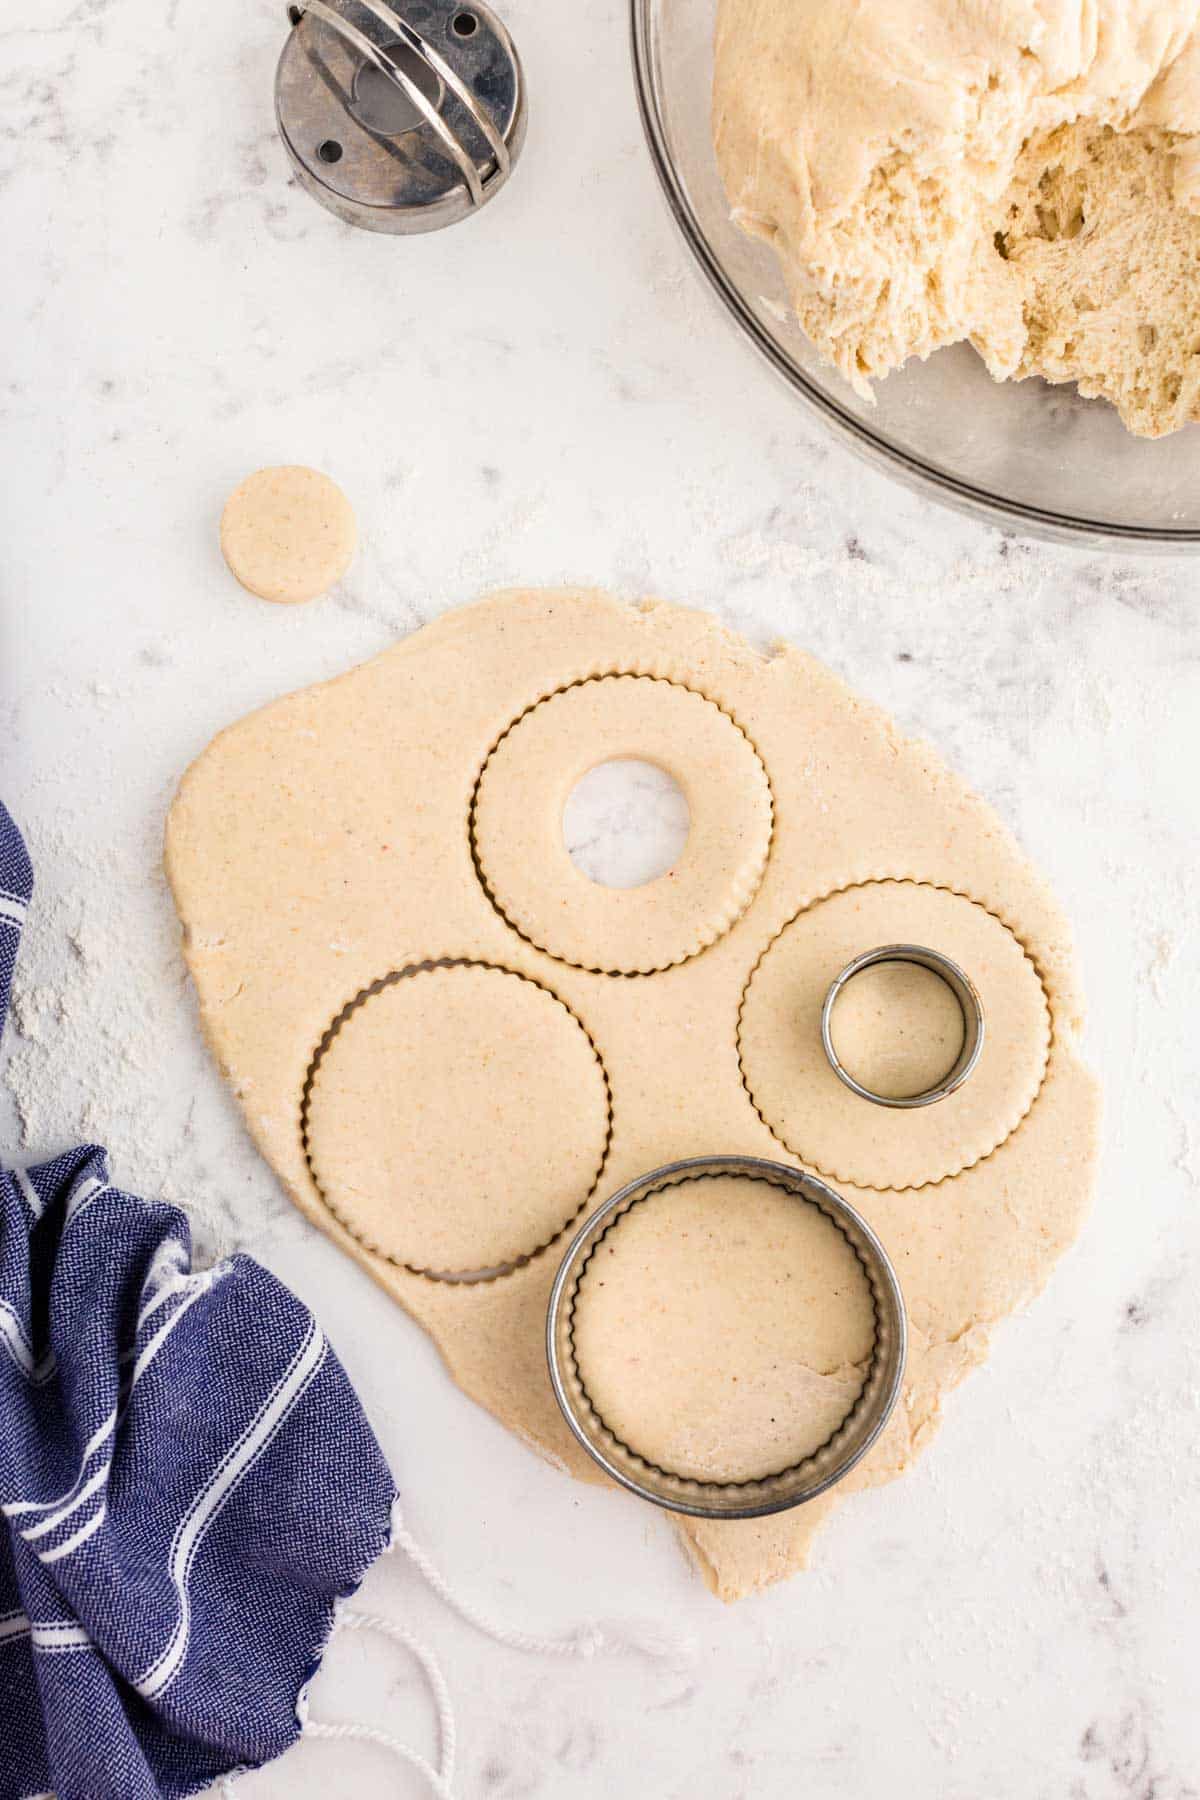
824 1123
625 823
432 1118
520 797
723 1329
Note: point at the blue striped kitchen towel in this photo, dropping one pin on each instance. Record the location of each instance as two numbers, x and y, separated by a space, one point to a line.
188 1484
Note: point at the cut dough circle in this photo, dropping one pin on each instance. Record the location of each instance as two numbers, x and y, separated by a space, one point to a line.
820 1120
517 824
288 534
723 1328
434 1118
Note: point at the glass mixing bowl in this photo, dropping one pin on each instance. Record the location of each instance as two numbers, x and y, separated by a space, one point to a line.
1024 454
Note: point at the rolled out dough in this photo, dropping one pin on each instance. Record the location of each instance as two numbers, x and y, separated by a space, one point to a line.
1024 176
325 844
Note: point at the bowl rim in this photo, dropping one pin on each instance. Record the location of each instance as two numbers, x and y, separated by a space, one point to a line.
919 476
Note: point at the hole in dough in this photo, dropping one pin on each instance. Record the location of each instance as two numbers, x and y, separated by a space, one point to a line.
625 823
897 1028
723 1329
457 1118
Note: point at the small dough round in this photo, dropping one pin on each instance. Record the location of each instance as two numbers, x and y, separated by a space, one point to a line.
518 832
897 1028
457 1119
288 534
723 1329
816 1116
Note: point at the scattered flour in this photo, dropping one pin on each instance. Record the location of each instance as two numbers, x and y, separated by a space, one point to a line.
102 1046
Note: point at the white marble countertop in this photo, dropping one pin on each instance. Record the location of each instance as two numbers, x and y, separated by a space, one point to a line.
546 394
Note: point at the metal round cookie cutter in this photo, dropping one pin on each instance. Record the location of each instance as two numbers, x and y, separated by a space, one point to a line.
789 1487
960 985
400 118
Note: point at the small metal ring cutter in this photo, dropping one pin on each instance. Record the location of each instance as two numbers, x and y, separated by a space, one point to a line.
400 118
790 1487
960 986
